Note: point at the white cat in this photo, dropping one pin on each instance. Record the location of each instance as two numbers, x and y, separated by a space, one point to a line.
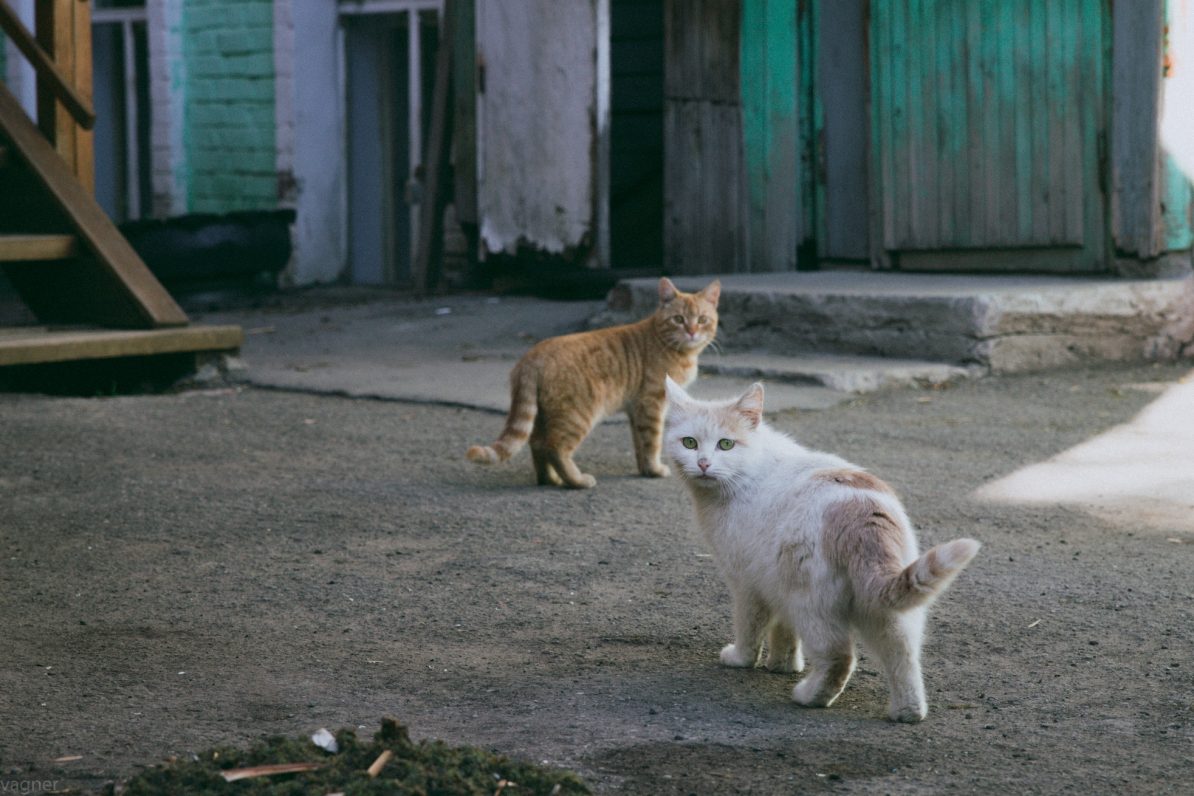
814 549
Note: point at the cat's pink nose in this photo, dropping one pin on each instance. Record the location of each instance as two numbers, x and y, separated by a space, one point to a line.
703 464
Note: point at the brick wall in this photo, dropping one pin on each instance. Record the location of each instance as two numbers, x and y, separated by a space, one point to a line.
229 132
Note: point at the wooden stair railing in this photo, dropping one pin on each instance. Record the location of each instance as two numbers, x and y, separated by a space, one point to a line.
62 89
113 286
66 259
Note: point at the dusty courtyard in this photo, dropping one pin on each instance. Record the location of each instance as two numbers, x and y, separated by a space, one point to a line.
182 570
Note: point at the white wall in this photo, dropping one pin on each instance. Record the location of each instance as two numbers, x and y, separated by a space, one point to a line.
306 45
537 143
167 84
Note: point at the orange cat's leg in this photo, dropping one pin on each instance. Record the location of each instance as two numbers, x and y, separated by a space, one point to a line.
646 427
568 471
545 474
561 439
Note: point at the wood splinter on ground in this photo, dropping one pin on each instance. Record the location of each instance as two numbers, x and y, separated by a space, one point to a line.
232 775
379 764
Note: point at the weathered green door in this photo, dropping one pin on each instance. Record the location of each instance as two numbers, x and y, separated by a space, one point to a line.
988 122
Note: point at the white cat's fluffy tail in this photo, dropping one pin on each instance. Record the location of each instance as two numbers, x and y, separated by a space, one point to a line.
519 421
929 575
870 542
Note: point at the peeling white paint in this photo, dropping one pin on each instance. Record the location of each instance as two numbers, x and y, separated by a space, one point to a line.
536 111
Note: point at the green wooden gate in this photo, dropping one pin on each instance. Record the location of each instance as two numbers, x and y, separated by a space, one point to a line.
988 122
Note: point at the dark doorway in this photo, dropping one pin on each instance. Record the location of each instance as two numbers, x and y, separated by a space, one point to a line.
389 60
636 134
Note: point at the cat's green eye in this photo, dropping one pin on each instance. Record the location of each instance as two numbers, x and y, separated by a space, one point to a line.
689 442
704 319
678 319
725 444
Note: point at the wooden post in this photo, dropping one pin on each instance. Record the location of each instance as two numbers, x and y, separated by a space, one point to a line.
427 265
64 32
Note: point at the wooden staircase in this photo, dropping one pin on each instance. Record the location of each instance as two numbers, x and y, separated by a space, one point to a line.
91 293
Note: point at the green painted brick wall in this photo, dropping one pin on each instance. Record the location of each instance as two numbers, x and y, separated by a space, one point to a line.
228 48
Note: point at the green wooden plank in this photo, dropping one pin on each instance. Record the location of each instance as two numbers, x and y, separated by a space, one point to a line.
1037 97
1177 200
1009 103
975 102
771 120
897 52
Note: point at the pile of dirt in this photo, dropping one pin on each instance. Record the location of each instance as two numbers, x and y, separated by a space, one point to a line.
390 764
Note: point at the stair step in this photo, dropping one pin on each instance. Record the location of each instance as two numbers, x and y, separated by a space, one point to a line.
999 324
32 345
842 373
37 247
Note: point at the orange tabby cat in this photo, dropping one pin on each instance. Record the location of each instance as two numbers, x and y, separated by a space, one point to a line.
565 385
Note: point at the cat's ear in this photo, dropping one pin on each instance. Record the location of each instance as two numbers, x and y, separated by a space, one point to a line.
712 292
750 405
667 291
676 395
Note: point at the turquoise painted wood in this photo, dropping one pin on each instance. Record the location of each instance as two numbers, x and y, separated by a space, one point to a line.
770 75
988 122
1177 207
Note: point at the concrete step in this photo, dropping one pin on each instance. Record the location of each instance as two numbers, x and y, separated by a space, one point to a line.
842 373
994 323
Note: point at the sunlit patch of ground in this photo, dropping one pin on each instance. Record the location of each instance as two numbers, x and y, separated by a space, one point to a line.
1142 471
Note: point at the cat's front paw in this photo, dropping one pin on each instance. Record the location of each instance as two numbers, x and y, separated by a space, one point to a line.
808 693
908 714
732 656
657 471
585 481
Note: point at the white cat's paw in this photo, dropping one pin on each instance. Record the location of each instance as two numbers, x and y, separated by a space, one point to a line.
808 693
909 714
732 656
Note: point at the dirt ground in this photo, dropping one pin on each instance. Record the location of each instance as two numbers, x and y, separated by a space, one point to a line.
178 571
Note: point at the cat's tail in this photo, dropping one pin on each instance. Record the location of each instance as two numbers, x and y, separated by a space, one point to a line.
519 420
928 576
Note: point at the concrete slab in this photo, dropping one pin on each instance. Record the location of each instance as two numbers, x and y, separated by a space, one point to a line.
1004 323
843 373
452 351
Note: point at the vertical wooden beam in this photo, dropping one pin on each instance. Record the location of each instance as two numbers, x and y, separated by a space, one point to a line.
704 184
464 125
771 78
84 139
1136 53
64 32
426 268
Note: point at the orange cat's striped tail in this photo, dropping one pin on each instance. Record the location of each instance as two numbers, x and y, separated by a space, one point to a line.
929 575
519 421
